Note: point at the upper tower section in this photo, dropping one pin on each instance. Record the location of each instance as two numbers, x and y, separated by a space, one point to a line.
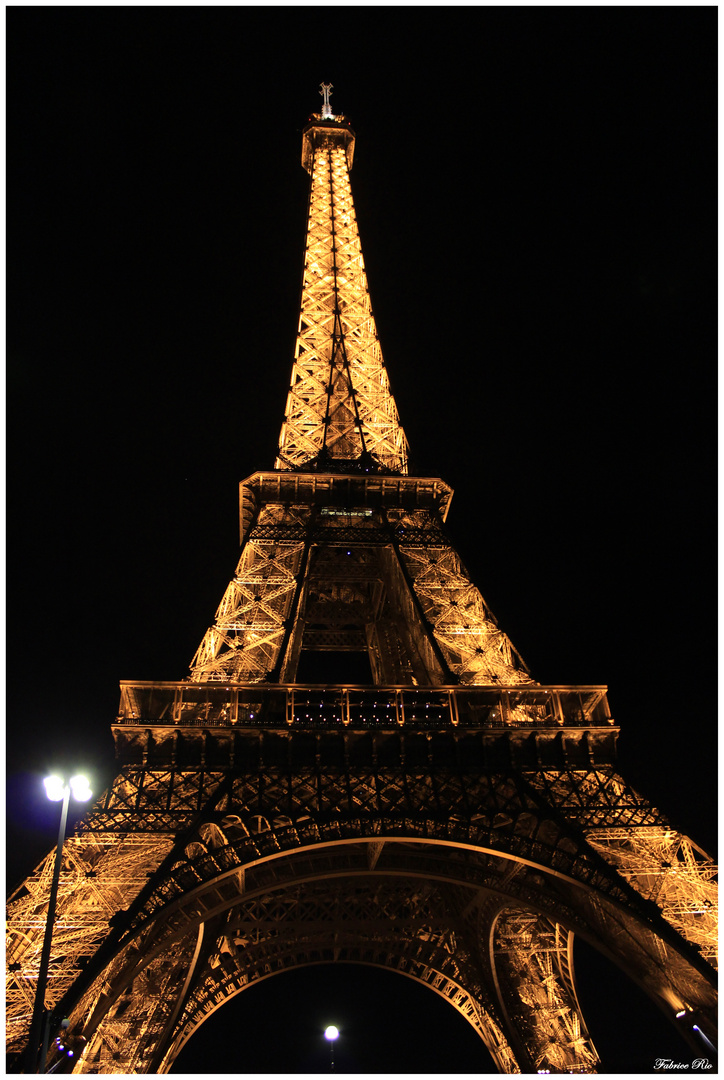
325 130
340 415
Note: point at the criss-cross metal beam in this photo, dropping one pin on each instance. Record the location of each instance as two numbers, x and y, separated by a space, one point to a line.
453 821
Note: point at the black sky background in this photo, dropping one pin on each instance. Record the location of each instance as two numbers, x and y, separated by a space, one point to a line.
536 194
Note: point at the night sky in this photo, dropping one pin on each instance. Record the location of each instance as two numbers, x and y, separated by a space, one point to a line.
536 194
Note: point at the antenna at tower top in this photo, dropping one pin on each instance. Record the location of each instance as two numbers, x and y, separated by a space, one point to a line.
326 93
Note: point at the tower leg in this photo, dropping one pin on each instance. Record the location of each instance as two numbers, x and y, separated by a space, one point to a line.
532 965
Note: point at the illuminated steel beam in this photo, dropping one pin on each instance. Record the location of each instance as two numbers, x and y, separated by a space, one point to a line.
450 820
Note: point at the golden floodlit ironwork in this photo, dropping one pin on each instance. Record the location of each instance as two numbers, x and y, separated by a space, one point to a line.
450 819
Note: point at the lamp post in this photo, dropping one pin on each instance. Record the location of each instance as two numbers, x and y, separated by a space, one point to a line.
56 789
331 1033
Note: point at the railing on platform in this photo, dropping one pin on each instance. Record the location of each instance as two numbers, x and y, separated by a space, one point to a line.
189 704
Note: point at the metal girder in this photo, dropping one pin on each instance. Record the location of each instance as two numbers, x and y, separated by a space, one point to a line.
401 925
455 822
340 407
669 869
101 874
296 560
318 923
474 650
532 963
275 835
246 639
309 905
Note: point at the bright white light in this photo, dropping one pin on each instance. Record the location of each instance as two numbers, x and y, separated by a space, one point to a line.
80 788
54 788
331 1033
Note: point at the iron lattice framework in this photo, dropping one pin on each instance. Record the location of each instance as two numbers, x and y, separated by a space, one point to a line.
451 820
340 411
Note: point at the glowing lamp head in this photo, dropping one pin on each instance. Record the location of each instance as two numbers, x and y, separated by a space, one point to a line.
331 1033
54 788
80 788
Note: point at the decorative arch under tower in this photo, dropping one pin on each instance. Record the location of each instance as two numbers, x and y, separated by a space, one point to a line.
447 818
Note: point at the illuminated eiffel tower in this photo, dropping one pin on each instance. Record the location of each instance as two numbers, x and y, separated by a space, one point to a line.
444 816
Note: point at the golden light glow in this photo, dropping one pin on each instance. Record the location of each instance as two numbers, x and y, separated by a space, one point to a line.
339 399
438 823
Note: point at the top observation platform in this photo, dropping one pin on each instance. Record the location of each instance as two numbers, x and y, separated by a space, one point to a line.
321 132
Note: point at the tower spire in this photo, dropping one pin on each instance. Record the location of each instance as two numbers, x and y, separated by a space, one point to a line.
340 414
326 92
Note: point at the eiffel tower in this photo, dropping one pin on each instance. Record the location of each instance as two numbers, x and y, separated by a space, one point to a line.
425 805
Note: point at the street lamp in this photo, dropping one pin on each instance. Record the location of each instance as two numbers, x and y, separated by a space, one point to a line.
331 1033
56 789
